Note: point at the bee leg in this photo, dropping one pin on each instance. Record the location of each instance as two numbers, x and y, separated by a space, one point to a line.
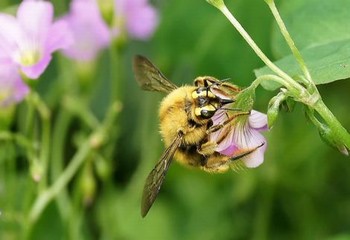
217 163
215 128
207 148
244 153
221 163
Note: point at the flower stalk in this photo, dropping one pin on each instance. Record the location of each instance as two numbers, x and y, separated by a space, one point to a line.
294 87
44 155
289 40
309 95
95 140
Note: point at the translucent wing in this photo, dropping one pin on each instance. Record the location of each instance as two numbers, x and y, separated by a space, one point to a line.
156 177
149 77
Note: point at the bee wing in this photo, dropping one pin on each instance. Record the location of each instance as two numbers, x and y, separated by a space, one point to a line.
149 77
156 177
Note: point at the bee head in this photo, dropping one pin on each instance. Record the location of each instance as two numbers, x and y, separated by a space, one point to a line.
206 102
203 96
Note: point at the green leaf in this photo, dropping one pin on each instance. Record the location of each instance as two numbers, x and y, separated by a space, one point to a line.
327 63
312 23
321 29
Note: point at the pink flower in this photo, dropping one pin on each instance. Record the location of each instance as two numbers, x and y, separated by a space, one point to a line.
31 37
138 16
90 32
12 88
243 136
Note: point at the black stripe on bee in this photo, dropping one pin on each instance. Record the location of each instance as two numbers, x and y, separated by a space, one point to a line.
193 157
193 124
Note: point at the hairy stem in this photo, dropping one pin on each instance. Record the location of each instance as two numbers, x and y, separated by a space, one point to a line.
298 90
289 40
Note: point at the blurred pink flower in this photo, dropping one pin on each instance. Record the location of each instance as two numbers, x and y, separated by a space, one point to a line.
12 88
31 37
90 32
243 136
138 16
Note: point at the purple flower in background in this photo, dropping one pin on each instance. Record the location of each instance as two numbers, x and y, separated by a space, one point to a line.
243 136
31 37
12 88
138 17
90 32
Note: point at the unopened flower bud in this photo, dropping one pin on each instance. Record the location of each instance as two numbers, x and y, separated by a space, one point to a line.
274 108
36 170
327 135
88 184
102 169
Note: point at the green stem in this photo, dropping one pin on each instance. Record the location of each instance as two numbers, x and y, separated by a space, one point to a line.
297 89
309 96
222 7
269 77
79 108
59 137
28 123
304 96
45 115
18 138
289 40
116 72
46 196
94 141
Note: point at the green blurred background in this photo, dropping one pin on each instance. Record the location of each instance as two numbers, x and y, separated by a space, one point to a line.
302 191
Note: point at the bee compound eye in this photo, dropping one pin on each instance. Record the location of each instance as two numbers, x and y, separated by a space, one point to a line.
205 113
208 111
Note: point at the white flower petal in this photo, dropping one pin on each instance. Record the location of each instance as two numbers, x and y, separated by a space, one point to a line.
258 120
242 137
12 88
35 17
10 37
227 143
257 157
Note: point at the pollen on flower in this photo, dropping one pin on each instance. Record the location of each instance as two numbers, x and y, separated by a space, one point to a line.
29 58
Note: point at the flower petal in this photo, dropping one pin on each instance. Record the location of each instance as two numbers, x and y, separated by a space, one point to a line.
35 17
219 117
12 88
258 120
60 37
10 36
241 136
257 157
142 21
89 31
139 16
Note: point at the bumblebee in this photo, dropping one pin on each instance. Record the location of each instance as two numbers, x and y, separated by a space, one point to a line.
185 124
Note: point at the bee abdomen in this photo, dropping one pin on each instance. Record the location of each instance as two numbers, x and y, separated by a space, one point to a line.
188 155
